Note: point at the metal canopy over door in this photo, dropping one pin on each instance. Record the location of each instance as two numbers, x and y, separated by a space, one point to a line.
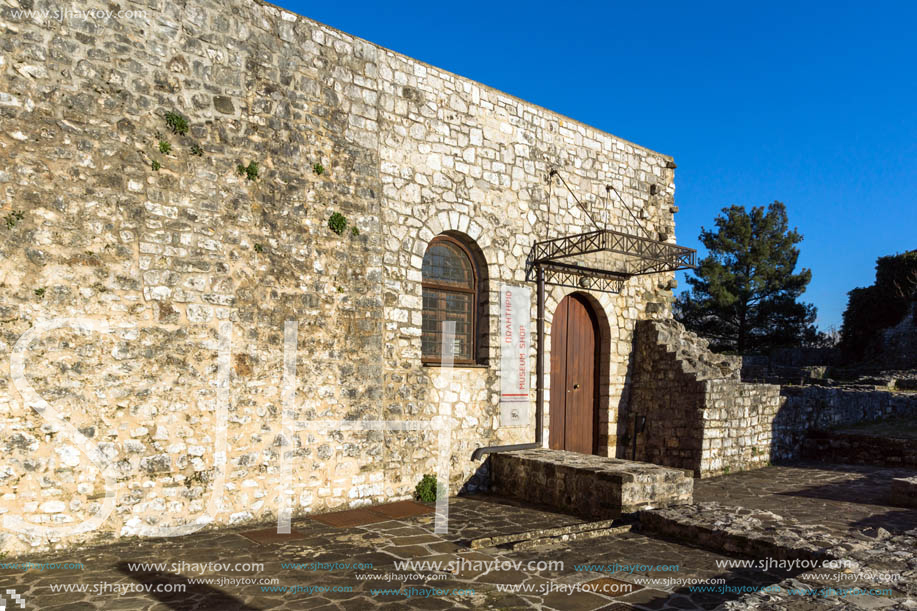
574 392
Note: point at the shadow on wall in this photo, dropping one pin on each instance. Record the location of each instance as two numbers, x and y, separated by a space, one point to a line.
479 481
628 421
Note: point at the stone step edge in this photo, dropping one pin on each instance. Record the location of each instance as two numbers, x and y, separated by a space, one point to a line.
542 533
576 536
710 537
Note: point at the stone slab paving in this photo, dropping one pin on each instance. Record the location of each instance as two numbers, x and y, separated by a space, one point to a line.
839 497
848 512
810 494
380 544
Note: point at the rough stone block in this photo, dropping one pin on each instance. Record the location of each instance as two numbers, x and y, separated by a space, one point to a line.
590 486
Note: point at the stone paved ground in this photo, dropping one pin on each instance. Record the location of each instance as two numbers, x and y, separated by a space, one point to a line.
839 497
383 542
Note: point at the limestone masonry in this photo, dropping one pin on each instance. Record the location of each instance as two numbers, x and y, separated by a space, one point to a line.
145 280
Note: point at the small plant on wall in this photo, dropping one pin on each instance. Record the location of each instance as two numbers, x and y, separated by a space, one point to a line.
13 218
425 491
337 223
177 123
318 169
250 171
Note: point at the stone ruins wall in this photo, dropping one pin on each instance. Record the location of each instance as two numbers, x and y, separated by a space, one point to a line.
848 449
699 415
147 308
820 408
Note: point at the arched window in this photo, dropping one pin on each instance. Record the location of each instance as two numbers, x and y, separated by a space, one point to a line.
450 292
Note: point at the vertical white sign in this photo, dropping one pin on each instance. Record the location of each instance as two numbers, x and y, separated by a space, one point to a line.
515 345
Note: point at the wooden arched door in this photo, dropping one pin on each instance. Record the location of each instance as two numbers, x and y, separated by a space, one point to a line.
574 380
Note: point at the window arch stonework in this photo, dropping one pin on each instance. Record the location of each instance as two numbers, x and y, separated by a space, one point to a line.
452 289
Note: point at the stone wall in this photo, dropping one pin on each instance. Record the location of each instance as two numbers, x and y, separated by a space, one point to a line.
144 288
848 449
698 414
789 365
819 408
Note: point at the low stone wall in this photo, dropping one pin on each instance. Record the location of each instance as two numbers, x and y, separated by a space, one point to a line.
789 365
593 487
699 415
841 448
819 408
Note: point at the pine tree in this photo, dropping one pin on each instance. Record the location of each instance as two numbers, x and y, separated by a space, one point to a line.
744 296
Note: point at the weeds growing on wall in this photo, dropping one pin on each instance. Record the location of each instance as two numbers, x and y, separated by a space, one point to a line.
177 122
337 223
250 171
13 218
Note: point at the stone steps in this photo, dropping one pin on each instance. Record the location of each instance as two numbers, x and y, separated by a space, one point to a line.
577 536
546 534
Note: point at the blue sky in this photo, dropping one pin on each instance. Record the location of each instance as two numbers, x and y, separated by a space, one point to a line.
813 104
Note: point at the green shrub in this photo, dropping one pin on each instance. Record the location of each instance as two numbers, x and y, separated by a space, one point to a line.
337 223
164 147
318 169
425 491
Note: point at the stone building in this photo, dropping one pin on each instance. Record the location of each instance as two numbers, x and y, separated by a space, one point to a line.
167 177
